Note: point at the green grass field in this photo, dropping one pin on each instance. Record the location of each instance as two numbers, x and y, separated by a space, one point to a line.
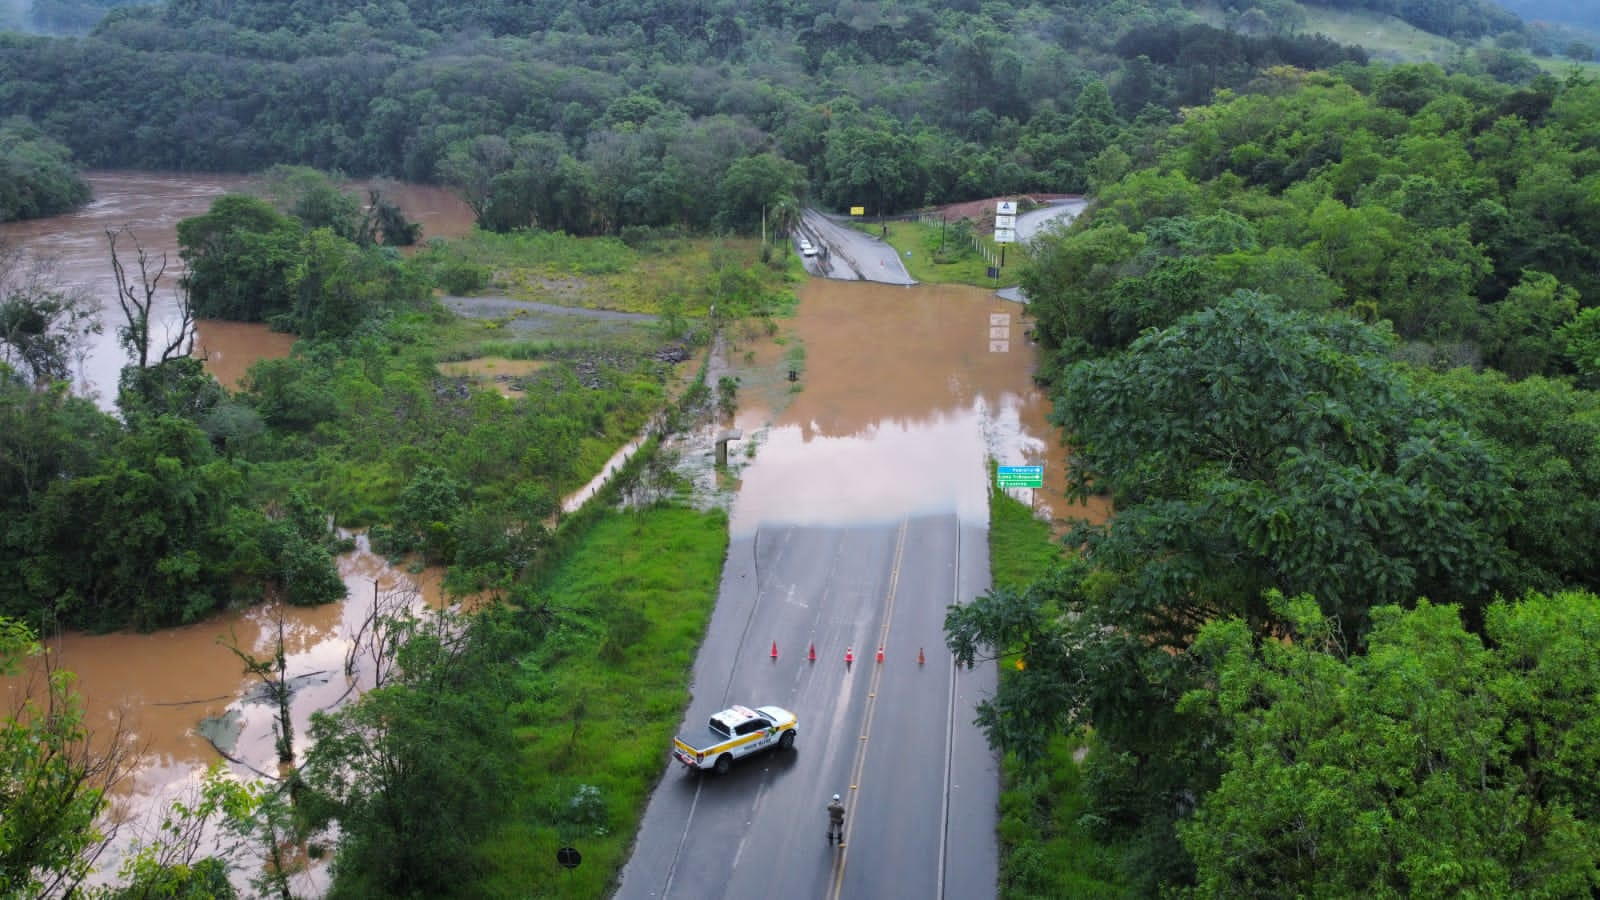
599 702
950 259
606 273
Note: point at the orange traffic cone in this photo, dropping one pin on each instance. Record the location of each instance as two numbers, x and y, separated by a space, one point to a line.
813 654
880 653
920 658
774 649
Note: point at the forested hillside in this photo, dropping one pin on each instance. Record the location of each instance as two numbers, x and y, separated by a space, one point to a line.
1333 357
544 112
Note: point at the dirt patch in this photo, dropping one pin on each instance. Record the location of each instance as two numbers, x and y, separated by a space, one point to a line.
982 211
505 374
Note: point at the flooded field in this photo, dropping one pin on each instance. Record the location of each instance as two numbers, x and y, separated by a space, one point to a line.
150 205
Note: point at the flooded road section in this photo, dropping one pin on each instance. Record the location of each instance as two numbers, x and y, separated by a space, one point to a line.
904 395
150 205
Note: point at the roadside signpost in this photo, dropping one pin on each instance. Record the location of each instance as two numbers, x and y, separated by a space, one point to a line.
1005 226
1019 476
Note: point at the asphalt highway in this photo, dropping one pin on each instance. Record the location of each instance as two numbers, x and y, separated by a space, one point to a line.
895 738
849 254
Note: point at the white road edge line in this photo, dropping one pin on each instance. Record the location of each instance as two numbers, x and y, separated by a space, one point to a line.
949 737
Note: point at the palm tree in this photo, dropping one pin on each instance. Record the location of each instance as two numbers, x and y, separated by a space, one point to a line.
784 213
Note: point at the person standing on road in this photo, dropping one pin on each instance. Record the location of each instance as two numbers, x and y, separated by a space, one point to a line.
836 820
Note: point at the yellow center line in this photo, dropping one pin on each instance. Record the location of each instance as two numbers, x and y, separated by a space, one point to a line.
860 763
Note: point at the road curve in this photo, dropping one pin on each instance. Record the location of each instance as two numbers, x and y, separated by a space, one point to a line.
1031 224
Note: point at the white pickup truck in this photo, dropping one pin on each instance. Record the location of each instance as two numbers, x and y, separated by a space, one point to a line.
735 732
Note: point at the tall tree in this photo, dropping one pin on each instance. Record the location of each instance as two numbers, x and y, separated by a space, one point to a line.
1250 448
417 772
239 257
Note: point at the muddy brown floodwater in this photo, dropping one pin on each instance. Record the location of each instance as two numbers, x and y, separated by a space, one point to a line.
164 686
150 205
903 395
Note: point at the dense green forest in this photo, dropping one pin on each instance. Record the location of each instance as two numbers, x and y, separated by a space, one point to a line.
1327 337
1333 358
593 118
38 176
596 117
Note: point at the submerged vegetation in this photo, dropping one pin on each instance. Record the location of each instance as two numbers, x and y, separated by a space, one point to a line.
1327 338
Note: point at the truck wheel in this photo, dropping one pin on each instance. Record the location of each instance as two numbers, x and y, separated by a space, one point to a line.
787 741
724 763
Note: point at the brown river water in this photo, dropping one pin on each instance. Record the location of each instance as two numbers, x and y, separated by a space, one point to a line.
903 395
150 205
162 686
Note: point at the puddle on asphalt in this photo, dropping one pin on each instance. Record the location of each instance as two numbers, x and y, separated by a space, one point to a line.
903 396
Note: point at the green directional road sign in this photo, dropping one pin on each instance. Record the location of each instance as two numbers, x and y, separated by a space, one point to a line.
1019 476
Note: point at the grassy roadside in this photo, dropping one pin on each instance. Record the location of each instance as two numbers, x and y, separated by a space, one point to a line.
948 258
658 273
599 701
1044 851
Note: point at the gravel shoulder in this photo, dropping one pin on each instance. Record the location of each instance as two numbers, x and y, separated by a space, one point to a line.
530 319
497 306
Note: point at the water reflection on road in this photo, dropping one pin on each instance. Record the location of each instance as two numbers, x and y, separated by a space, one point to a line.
906 392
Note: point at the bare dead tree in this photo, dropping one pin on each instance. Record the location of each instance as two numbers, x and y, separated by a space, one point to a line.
138 301
378 636
274 675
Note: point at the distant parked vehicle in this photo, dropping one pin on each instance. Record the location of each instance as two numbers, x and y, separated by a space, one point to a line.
806 249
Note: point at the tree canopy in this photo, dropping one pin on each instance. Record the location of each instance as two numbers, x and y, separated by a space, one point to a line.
1436 763
38 176
1330 345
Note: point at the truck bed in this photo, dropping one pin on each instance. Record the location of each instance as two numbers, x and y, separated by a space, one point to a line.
702 738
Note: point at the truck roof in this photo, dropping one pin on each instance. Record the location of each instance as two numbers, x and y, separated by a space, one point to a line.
734 715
